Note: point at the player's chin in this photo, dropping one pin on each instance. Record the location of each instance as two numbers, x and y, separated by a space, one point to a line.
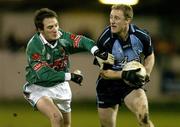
54 38
113 30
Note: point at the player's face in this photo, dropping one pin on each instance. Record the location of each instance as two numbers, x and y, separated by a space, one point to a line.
50 31
118 22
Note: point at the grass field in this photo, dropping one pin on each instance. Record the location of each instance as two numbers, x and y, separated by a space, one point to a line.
20 114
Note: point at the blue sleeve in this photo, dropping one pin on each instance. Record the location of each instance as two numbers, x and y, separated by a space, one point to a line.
146 41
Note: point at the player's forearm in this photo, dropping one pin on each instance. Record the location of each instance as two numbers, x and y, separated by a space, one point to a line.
47 74
149 63
110 74
86 43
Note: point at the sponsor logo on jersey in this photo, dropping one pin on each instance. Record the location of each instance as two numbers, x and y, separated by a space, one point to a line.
72 36
60 64
36 56
76 39
38 66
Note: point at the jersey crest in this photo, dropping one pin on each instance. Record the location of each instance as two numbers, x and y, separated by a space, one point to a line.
36 56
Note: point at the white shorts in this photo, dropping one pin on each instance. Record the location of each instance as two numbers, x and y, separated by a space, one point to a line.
60 93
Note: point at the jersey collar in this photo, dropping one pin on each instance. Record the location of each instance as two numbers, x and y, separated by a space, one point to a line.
44 41
130 31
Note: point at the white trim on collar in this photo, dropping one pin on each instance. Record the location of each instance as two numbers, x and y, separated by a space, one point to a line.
44 41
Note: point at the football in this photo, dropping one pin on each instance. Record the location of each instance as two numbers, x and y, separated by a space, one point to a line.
132 65
78 72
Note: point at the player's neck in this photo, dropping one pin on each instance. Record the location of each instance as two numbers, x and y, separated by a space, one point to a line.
124 34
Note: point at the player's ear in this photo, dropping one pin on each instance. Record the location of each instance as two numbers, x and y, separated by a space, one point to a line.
39 30
128 20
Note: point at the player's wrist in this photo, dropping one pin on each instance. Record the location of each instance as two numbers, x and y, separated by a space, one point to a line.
94 49
67 76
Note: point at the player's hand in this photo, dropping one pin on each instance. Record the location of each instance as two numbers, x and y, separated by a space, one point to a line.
134 80
141 81
147 79
132 76
77 77
104 57
100 62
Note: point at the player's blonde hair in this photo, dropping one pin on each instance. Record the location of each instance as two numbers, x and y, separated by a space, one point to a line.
127 10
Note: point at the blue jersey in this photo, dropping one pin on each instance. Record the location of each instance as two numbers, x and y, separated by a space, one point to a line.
137 47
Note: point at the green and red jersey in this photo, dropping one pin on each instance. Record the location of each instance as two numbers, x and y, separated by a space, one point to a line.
47 63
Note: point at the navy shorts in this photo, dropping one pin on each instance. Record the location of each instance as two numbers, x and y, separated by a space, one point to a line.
111 92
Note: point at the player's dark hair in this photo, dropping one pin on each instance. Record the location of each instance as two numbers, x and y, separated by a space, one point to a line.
41 14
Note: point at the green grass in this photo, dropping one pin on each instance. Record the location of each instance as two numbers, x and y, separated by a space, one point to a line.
20 114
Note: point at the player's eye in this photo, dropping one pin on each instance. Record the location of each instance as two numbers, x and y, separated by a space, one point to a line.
50 27
114 17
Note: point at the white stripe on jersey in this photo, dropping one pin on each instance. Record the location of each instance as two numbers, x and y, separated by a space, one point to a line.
146 35
103 34
106 41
